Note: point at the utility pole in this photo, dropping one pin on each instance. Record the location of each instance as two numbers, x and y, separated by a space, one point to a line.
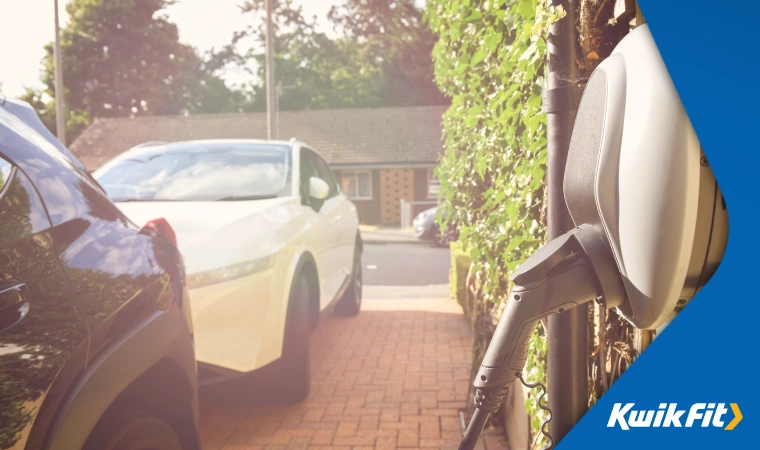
567 332
60 103
271 94
280 89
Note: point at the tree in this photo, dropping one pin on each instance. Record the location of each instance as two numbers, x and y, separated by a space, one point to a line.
45 109
391 35
318 72
123 57
364 68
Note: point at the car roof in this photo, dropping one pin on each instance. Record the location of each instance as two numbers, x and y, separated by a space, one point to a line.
153 147
24 112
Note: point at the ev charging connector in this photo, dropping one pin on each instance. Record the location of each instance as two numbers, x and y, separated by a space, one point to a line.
561 275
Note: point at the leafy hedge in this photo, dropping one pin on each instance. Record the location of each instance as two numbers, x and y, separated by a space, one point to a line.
490 61
460 265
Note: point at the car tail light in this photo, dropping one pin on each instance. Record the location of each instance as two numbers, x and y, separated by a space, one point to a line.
159 227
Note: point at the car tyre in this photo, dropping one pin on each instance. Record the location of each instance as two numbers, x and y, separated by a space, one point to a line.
129 429
295 372
351 302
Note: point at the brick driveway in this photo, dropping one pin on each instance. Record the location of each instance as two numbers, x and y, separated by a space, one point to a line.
394 376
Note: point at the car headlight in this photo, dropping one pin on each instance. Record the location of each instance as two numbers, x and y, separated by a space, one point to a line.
228 273
423 216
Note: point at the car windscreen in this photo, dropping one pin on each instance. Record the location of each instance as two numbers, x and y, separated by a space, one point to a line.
199 172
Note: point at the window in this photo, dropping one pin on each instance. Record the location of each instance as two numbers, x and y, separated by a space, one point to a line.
326 174
312 165
357 184
433 184
308 170
5 172
199 171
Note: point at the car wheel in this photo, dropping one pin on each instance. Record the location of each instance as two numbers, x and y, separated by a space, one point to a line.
128 429
351 302
295 376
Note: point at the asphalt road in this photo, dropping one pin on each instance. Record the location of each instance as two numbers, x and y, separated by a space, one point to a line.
405 265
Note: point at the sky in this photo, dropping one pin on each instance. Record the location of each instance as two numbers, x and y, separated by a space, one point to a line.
27 25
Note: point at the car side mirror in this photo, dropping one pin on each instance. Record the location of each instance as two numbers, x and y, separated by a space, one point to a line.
318 188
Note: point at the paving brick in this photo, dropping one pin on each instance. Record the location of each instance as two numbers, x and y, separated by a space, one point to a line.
369 422
313 415
322 437
450 424
399 425
347 428
431 430
389 415
335 408
354 440
299 443
385 443
410 408
408 438
377 433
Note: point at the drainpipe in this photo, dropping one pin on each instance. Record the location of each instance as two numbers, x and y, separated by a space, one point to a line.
567 332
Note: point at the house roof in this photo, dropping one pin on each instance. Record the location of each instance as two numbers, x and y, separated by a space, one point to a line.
345 137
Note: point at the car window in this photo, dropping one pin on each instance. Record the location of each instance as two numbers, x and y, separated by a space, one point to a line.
308 169
326 174
5 172
199 171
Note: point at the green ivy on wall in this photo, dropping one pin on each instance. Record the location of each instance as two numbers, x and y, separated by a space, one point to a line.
490 61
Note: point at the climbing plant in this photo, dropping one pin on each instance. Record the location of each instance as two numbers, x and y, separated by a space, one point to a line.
490 60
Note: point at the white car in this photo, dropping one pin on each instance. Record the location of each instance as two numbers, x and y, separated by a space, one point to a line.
269 241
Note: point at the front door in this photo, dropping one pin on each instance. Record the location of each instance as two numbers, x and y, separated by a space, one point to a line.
324 234
344 215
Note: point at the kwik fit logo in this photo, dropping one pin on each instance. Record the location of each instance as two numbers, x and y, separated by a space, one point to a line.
668 415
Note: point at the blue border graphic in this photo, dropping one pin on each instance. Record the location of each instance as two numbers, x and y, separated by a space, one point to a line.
709 352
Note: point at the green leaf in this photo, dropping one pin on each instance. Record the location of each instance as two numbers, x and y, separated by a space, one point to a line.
492 41
526 9
534 101
474 15
530 51
479 56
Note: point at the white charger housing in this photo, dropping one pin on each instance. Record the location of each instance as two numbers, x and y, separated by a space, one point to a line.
636 173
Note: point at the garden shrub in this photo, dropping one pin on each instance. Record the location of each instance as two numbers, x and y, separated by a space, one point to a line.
490 60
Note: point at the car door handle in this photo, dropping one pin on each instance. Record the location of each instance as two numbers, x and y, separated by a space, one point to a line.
12 305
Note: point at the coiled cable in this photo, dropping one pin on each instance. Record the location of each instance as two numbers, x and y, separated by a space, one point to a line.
544 406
